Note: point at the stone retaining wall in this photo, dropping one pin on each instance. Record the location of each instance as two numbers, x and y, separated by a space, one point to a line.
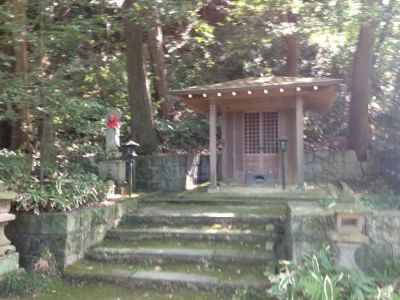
326 165
383 230
66 235
308 224
171 172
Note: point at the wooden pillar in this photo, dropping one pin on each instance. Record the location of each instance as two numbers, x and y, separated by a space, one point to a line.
299 140
213 146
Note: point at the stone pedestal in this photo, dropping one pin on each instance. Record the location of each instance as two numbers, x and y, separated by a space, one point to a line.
114 169
347 243
350 220
8 255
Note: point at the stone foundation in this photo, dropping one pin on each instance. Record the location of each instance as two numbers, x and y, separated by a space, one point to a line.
178 172
66 235
9 264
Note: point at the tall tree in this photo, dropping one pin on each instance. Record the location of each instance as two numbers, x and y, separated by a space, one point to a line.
47 148
156 50
361 88
22 125
292 46
139 102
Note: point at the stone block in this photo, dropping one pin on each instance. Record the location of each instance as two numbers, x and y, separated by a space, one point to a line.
113 170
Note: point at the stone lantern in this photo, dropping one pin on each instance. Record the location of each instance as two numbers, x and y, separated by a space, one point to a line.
350 222
8 255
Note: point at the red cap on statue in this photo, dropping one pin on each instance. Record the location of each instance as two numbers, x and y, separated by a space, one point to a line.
112 121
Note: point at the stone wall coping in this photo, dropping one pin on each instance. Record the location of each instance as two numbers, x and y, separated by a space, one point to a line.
386 213
308 208
83 209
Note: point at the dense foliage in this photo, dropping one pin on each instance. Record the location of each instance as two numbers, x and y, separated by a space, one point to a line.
82 71
63 64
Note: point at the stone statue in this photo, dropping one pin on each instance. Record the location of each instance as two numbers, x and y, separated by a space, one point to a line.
112 134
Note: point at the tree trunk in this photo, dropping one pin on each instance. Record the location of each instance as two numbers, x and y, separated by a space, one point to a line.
48 162
360 89
293 48
22 126
143 129
156 50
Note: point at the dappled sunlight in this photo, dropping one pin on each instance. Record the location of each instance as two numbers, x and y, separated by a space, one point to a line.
214 214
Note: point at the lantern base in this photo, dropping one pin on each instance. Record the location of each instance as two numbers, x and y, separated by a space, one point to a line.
9 264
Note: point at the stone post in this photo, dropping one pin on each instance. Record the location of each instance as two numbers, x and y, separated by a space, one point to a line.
8 255
350 221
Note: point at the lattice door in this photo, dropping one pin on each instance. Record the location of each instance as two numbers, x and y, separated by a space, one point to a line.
270 132
261 132
252 133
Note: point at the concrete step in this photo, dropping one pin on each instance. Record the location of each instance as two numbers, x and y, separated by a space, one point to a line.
200 234
194 277
188 252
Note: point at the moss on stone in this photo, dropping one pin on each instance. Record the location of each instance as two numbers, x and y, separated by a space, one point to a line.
63 291
248 247
225 273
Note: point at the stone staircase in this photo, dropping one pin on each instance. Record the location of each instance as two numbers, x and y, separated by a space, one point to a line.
168 244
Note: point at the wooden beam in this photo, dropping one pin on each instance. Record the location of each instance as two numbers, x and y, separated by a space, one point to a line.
300 140
213 147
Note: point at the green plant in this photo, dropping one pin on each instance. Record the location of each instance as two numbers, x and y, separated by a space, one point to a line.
68 189
25 283
61 194
317 279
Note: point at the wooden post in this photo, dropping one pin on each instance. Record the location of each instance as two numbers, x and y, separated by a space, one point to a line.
300 140
213 147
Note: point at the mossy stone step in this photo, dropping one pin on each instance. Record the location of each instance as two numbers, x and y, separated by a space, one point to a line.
226 272
166 277
270 202
249 246
160 255
210 234
187 218
237 210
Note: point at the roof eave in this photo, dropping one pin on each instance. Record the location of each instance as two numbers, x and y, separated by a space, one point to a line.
194 91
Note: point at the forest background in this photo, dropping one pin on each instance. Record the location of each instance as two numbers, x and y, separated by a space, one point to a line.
65 63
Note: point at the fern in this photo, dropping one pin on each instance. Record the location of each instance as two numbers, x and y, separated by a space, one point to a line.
317 279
